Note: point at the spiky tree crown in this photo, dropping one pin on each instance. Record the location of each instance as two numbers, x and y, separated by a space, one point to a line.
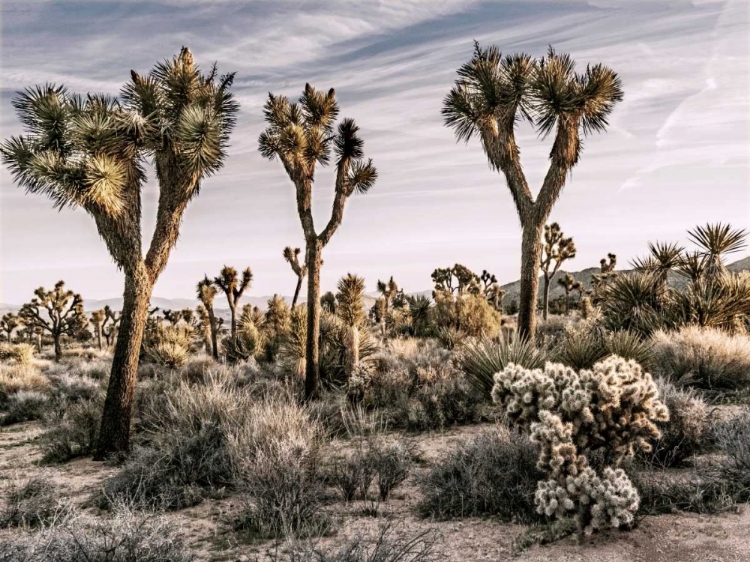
292 258
206 291
557 248
715 241
229 281
350 300
56 311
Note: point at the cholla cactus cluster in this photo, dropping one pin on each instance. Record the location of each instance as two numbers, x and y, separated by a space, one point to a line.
613 406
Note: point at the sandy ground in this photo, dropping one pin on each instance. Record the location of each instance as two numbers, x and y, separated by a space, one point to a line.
207 528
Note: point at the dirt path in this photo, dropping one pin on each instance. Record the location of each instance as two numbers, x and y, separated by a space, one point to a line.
207 527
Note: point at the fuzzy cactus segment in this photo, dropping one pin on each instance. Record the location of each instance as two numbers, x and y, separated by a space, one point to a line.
614 406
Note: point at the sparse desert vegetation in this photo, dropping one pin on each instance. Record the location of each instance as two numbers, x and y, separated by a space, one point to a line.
342 427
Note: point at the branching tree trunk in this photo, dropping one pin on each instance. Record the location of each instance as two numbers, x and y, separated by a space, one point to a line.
206 294
292 257
233 288
488 99
301 136
557 249
90 153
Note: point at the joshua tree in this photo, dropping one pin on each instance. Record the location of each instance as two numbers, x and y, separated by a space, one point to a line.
465 280
301 135
606 272
233 288
205 325
491 95
58 312
556 250
97 319
350 308
568 283
328 302
206 294
715 241
300 270
89 152
8 323
495 296
662 259
110 325
172 316
188 316
388 290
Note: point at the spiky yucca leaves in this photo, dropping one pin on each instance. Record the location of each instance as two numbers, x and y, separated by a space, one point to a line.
634 302
350 308
233 287
492 93
556 250
302 135
419 314
388 290
722 302
206 292
8 323
481 359
58 312
300 270
715 241
276 325
692 265
663 258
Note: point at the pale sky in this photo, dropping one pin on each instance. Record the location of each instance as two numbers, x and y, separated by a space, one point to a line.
676 153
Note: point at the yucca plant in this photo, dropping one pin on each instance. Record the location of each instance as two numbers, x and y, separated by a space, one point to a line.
581 349
481 359
491 95
715 241
556 250
302 135
692 265
662 258
58 312
233 287
717 302
635 302
206 292
300 270
388 290
89 151
419 314
350 308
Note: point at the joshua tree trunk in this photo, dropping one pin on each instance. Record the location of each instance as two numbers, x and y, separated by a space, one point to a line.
58 348
233 313
546 296
567 302
312 371
353 350
531 256
214 339
296 291
115 429
99 339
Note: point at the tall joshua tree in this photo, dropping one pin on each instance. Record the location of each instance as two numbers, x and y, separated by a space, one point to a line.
97 319
58 312
8 323
233 288
556 250
90 151
388 290
492 93
300 270
206 294
302 135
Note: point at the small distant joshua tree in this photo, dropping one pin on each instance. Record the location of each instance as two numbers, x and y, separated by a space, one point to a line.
58 312
556 250
351 309
568 283
172 316
300 270
89 151
97 319
606 272
233 288
301 135
110 325
188 316
388 290
206 294
8 323
491 95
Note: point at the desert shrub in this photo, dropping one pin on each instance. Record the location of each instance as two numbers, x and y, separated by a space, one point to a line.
551 330
707 358
16 353
634 301
14 378
439 405
168 346
372 461
586 345
450 337
613 407
33 503
75 433
733 438
387 546
481 359
169 354
493 474
685 434
25 405
470 314
125 537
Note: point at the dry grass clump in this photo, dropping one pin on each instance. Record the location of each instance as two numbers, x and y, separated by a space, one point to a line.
14 378
24 405
74 432
127 536
16 353
707 358
493 474
34 503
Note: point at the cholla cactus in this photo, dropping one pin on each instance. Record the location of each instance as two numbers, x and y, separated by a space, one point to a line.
613 406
